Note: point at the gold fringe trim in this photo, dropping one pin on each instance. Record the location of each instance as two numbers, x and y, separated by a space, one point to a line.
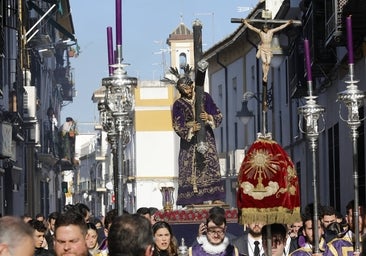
269 215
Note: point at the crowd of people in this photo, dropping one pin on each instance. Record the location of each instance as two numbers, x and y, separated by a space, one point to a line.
76 232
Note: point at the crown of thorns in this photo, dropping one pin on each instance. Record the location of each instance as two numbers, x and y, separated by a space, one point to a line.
181 78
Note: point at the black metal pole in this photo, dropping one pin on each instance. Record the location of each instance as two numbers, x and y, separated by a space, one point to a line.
313 147
354 135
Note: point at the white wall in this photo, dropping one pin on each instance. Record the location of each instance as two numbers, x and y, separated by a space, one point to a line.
158 167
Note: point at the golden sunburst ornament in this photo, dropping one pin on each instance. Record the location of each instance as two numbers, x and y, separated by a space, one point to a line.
267 185
261 165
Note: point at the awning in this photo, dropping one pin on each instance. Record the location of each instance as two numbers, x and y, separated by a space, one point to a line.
63 22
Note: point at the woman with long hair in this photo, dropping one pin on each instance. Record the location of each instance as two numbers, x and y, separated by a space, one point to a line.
92 239
165 242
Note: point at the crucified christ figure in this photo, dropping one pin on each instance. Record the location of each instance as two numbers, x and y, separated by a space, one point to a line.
264 47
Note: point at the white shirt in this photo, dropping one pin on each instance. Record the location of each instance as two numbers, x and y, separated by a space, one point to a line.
251 245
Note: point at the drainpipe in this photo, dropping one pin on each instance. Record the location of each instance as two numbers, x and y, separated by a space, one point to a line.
226 114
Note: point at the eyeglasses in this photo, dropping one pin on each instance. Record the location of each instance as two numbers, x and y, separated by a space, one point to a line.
219 232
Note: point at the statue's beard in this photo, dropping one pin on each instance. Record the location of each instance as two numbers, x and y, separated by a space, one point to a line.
186 95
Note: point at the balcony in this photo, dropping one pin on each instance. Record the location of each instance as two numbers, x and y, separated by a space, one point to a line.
64 77
314 25
336 13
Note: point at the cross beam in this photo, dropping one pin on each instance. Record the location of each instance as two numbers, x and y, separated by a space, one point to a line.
240 20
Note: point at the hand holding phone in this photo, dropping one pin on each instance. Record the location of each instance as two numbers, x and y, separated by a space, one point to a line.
202 229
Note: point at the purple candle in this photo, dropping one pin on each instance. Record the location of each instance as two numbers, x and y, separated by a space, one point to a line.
110 49
349 40
118 22
307 59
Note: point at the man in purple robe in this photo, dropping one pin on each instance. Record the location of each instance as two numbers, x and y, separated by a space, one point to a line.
199 173
214 242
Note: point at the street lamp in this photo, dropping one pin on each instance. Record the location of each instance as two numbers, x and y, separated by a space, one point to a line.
244 114
277 52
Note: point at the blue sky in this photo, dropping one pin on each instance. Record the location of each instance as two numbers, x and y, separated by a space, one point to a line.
146 24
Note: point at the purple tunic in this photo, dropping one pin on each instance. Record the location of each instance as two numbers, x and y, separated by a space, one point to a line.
302 251
202 170
339 246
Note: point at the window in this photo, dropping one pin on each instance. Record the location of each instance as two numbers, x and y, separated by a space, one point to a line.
11 14
182 61
234 82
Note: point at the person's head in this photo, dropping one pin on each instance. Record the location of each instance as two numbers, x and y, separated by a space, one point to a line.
70 234
265 28
92 236
81 209
84 210
278 234
153 211
163 237
52 219
328 216
144 211
340 218
216 228
216 210
307 230
108 219
294 228
38 233
16 237
40 217
26 217
349 216
255 229
185 87
98 223
130 235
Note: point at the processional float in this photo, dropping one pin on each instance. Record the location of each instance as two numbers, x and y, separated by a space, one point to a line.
268 186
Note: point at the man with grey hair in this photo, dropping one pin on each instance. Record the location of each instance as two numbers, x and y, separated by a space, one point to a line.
16 237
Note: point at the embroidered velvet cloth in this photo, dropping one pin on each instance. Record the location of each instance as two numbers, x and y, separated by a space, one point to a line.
268 185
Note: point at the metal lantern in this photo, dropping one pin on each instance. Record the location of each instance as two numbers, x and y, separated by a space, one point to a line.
117 117
168 197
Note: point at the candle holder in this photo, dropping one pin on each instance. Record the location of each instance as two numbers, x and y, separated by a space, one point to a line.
353 99
168 198
312 112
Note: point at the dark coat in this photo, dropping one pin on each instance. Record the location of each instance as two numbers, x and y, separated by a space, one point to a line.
241 243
